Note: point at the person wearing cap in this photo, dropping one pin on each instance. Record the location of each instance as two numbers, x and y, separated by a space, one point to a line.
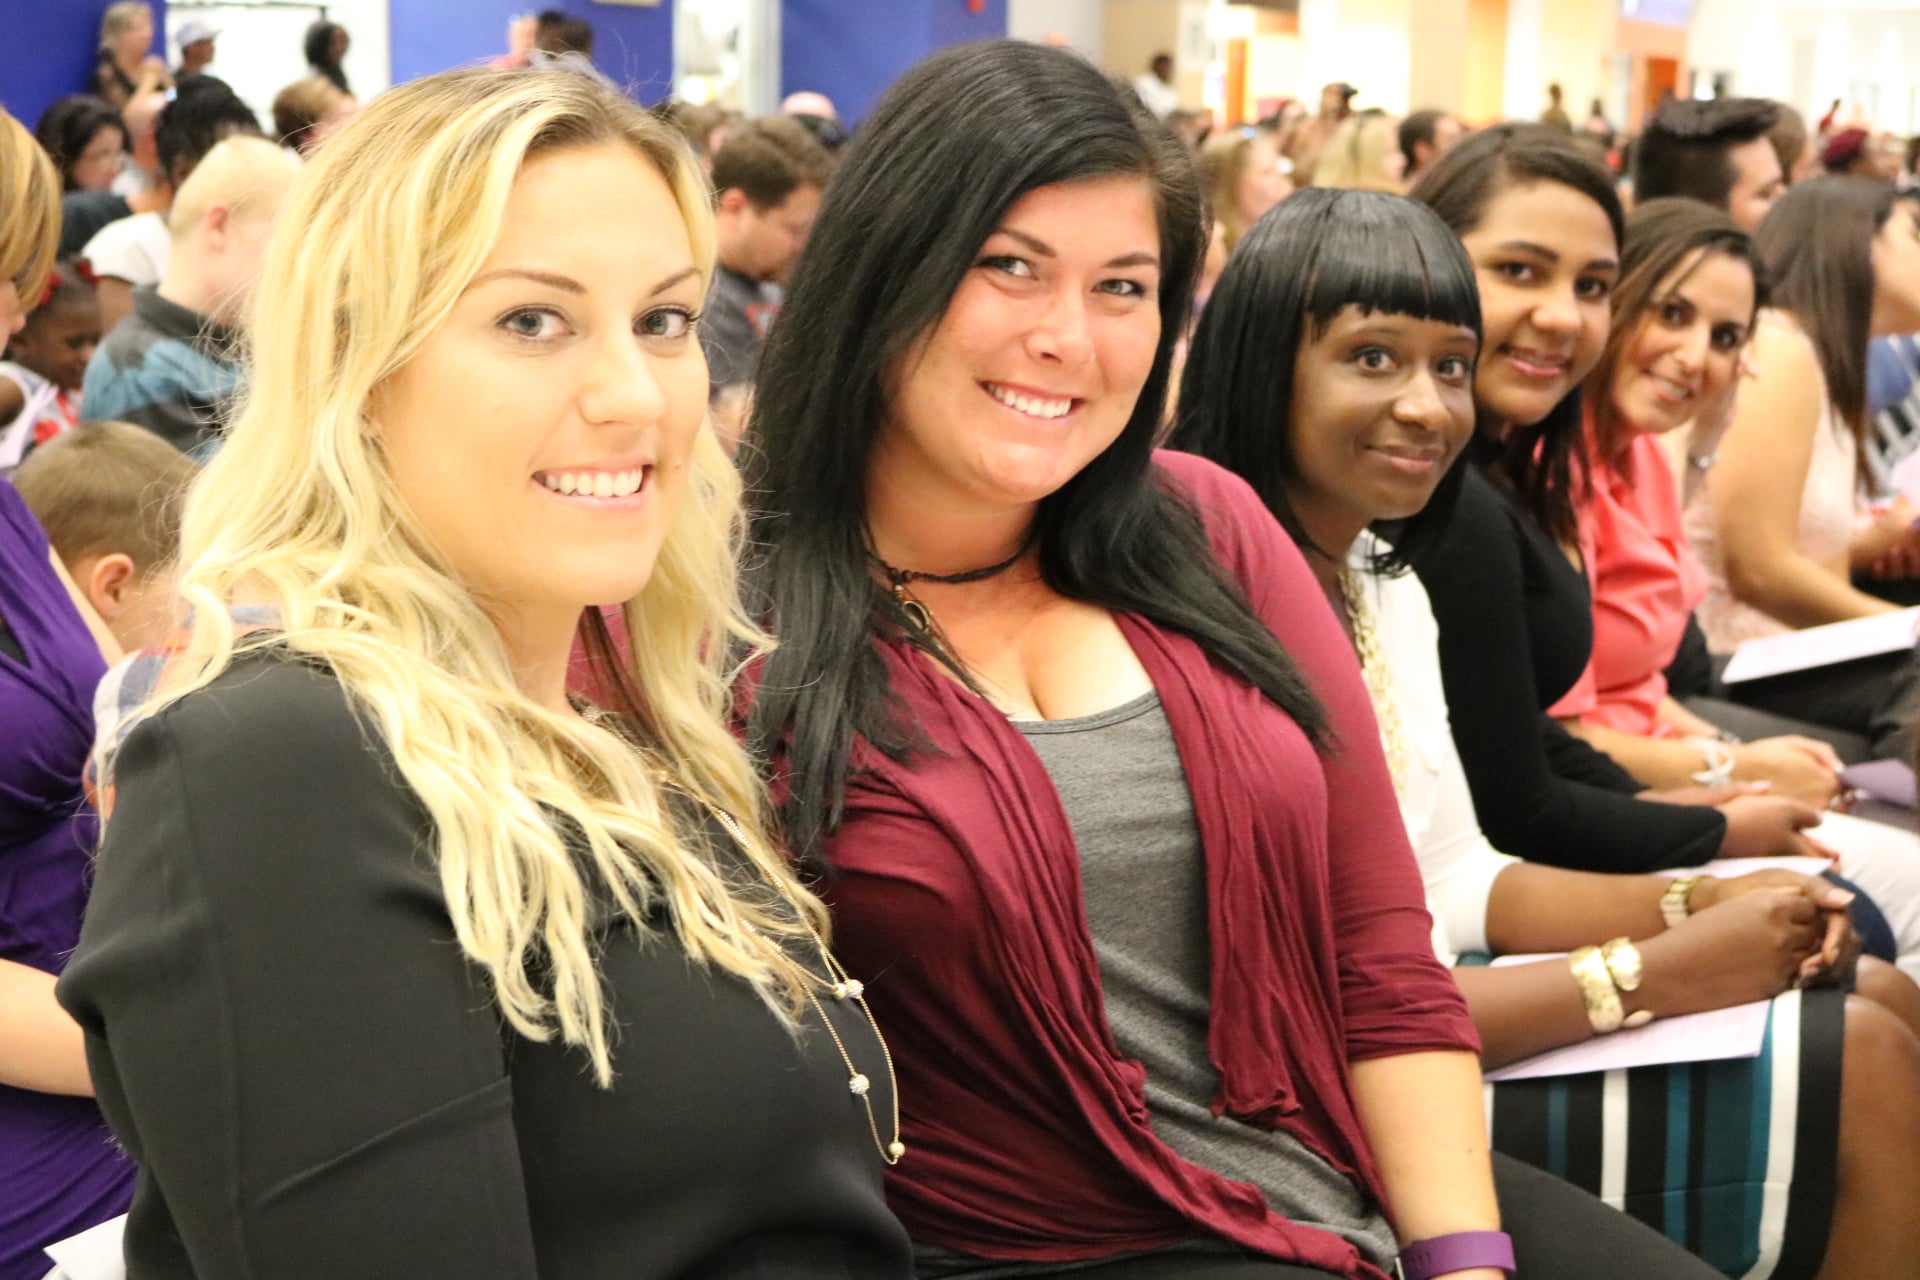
196 37
1856 153
1336 104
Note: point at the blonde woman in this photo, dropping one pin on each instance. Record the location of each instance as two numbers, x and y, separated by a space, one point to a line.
1364 155
125 67
400 961
1245 175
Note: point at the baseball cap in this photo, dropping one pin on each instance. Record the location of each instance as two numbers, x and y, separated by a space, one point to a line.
194 30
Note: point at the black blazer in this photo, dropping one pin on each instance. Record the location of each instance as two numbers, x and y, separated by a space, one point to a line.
284 1032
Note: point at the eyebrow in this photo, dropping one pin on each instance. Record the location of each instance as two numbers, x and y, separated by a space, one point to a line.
1045 250
1541 251
567 284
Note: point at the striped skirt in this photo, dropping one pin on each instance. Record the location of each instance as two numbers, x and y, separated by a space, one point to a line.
1733 1160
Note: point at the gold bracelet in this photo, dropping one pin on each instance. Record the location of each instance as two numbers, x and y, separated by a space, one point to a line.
1627 970
1604 1009
1674 904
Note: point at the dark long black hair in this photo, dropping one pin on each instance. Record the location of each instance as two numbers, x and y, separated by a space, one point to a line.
950 147
1310 257
1536 461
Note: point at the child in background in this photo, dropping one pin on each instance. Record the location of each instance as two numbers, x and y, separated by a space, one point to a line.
46 362
109 496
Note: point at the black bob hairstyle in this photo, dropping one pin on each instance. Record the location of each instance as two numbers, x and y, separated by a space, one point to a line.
1535 461
1309 258
950 147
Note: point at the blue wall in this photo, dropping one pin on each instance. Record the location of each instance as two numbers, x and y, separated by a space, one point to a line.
852 53
633 45
954 22
48 51
436 35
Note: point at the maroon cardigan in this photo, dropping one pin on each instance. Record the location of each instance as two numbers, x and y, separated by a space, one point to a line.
957 895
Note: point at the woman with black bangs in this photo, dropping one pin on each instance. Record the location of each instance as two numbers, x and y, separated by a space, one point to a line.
1371 305
1093 774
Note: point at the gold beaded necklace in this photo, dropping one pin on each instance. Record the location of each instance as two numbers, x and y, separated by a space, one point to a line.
844 986
1376 675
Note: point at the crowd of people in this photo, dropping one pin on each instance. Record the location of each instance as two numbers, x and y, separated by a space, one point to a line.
1033 687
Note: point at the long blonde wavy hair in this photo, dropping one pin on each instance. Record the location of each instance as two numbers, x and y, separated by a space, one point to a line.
374 247
29 212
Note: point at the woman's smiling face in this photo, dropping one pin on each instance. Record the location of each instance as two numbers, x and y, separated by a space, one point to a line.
1547 261
1382 404
1035 368
542 437
1685 347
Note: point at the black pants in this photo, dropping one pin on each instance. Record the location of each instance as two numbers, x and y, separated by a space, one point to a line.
1866 708
1559 1233
1877 698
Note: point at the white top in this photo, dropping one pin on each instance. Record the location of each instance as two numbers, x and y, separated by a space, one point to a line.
1458 864
1156 95
134 249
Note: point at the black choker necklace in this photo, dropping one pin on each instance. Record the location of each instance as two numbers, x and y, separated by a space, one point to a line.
899 579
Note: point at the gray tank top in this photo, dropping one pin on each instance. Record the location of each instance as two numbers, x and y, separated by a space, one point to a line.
1143 876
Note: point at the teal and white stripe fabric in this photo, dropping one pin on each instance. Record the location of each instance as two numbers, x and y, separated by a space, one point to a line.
1733 1160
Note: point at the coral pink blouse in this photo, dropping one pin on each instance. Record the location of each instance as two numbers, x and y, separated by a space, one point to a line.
1645 583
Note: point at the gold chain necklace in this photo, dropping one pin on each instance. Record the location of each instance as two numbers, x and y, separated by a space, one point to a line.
844 986
1376 675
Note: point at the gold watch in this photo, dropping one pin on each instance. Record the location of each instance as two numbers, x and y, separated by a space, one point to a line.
1674 904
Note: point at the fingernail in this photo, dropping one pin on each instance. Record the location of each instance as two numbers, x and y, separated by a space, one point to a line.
1841 896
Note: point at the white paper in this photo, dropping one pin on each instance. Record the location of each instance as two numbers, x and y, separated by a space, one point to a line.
1736 1032
94 1254
1891 781
1812 647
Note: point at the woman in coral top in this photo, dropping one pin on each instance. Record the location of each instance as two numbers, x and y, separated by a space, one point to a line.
1683 314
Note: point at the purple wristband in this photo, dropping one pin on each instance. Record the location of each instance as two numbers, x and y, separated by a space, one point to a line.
1461 1251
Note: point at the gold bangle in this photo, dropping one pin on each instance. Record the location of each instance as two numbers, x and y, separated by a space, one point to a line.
1623 963
1674 904
1626 968
1604 1009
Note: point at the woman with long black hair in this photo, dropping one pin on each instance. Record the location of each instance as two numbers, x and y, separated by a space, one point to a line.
1085 756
